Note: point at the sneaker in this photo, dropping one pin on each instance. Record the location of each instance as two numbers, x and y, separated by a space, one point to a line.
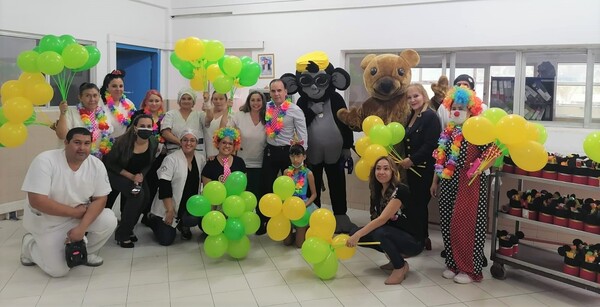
448 274
94 260
462 278
25 254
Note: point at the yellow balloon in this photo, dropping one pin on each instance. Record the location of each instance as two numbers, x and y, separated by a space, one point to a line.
30 78
17 109
362 144
279 227
323 222
213 72
342 251
531 132
509 129
270 205
294 208
11 89
197 83
311 232
374 152
13 134
371 121
362 170
193 48
529 155
180 49
478 130
40 93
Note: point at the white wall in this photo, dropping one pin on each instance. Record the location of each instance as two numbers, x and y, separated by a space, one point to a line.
105 23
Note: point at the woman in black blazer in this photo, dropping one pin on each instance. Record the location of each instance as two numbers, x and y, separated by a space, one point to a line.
422 133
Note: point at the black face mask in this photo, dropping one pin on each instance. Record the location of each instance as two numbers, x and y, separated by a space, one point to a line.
144 133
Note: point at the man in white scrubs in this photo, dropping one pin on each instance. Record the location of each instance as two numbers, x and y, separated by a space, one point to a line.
66 194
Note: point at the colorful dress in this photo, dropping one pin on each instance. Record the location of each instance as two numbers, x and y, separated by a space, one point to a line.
463 207
300 177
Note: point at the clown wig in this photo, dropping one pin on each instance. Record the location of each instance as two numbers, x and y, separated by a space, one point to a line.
232 133
465 97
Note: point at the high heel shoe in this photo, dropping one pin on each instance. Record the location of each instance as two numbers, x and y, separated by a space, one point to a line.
126 244
428 244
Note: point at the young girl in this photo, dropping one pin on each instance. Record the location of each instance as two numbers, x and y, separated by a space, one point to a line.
304 179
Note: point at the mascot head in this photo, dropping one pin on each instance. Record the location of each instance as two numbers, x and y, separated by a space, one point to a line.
387 76
315 77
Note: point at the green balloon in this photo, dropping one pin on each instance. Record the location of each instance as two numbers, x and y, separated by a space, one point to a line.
51 43
494 114
50 63
232 66
215 192
249 200
234 229
542 133
213 223
213 50
251 222
175 61
28 121
249 74
397 131
245 59
315 250
215 246
234 206
187 72
198 205
75 56
327 268
223 84
93 58
221 62
380 134
303 221
27 61
284 187
67 40
236 183
3 118
591 146
239 249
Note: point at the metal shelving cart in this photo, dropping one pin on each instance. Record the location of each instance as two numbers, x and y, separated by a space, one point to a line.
530 258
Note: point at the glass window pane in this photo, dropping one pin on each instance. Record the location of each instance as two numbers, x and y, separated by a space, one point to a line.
10 48
596 93
356 93
73 93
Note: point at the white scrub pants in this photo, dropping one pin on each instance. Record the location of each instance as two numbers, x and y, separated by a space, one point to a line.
47 249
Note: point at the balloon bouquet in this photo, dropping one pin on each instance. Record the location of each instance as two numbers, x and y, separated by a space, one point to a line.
202 61
227 230
513 135
283 209
60 57
379 140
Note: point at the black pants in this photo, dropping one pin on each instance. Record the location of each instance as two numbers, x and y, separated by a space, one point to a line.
395 242
420 194
336 181
133 204
275 160
165 234
255 185
152 179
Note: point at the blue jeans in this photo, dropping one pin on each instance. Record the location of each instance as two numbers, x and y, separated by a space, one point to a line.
395 242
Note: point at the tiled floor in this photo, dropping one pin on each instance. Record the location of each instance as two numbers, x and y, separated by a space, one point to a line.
271 275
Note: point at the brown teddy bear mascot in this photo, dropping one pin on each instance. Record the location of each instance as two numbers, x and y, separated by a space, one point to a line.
329 140
386 78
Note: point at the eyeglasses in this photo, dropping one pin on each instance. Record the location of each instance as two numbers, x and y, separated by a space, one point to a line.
318 80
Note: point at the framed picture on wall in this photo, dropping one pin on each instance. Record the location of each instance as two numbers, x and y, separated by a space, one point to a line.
267 65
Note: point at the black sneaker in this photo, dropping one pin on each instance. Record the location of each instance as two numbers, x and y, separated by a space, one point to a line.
186 233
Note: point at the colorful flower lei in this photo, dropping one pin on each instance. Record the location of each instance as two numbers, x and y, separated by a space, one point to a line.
155 131
445 166
100 124
124 120
299 176
274 117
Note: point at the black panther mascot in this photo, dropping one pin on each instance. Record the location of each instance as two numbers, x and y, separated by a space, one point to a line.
329 140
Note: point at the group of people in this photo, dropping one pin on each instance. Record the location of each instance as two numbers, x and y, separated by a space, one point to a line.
438 161
157 160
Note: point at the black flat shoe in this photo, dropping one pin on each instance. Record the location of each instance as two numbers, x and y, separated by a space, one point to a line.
126 244
428 244
133 238
262 229
186 233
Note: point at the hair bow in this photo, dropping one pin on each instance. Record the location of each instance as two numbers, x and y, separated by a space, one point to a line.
116 72
296 142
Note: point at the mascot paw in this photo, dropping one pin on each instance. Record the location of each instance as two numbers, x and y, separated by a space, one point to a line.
343 224
350 118
439 91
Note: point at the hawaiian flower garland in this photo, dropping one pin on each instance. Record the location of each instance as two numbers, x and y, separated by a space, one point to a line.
124 120
299 177
157 120
274 117
445 166
98 124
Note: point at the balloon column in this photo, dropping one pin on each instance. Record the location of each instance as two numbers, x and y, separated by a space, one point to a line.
283 209
522 140
227 230
202 61
377 142
56 56
591 146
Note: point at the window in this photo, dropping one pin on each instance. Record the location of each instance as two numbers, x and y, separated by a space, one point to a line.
596 88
